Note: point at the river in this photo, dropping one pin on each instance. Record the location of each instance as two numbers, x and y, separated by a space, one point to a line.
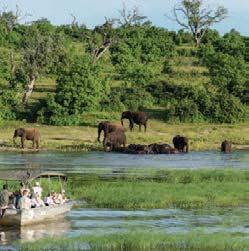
82 220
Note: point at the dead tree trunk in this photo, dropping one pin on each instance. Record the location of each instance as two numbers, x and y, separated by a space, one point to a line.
28 90
98 52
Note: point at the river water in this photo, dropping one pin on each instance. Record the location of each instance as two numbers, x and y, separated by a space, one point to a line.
83 220
93 162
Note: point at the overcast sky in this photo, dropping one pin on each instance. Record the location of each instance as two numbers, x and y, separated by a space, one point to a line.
92 12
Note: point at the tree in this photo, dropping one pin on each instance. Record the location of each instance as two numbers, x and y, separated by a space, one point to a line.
228 73
39 49
140 54
130 17
195 17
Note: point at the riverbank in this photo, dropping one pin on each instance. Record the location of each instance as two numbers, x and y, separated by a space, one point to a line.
202 136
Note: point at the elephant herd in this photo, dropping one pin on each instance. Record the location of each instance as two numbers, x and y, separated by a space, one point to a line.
115 138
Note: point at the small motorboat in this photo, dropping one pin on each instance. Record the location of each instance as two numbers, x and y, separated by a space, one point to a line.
23 217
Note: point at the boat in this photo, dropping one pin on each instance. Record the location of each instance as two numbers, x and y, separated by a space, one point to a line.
24 217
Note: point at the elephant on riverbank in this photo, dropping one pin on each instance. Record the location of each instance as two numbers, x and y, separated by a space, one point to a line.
108 127
181 143
114 140
226 146
139 118
32 134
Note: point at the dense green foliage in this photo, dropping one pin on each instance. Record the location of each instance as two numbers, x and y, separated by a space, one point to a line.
118 67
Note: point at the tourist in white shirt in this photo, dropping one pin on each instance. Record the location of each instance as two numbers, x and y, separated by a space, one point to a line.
25 201
37 189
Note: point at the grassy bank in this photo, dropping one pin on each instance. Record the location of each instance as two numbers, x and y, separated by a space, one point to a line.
144 240
84 138
164 189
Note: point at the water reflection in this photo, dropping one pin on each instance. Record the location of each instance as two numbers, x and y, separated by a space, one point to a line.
34 232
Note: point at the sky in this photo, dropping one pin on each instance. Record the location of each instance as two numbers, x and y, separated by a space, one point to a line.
93 12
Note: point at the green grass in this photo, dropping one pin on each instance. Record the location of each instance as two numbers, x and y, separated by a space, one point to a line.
144 240
202 136
149 189
166 189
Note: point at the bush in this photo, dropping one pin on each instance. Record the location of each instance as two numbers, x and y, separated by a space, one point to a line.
10 100
191 103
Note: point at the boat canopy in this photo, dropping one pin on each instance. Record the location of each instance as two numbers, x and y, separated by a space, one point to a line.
28 175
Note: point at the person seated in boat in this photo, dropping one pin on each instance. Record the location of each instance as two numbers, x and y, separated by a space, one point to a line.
4 200
22 188
49 200
61 197
25 201
37 189
36 201
64 196
56 198
18 194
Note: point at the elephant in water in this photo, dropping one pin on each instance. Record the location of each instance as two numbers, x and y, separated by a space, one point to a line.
32 134
161 149
226 146
139 118
108 127
114 140
181 143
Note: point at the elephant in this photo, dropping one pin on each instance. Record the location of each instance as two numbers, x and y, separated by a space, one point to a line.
114 140
226 146
139 118
161 149
137 149
32 134
108 127
181 143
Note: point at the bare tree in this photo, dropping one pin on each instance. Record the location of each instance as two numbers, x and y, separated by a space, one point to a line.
11 19
195 17
130 17
127 18
105 31
74 22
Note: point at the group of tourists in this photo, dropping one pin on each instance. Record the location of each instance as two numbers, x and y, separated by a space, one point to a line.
24 198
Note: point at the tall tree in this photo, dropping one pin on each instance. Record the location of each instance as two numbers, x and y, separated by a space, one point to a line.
195 17
40 48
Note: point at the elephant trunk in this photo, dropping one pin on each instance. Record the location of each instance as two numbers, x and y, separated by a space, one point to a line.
187 148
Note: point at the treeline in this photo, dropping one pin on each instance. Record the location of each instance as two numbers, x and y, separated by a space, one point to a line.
117 67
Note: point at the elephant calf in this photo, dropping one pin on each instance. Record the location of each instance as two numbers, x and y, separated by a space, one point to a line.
108 127
226 146
114 140
181 143
32 134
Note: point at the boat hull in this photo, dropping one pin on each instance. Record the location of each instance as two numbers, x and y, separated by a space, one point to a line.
34 215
